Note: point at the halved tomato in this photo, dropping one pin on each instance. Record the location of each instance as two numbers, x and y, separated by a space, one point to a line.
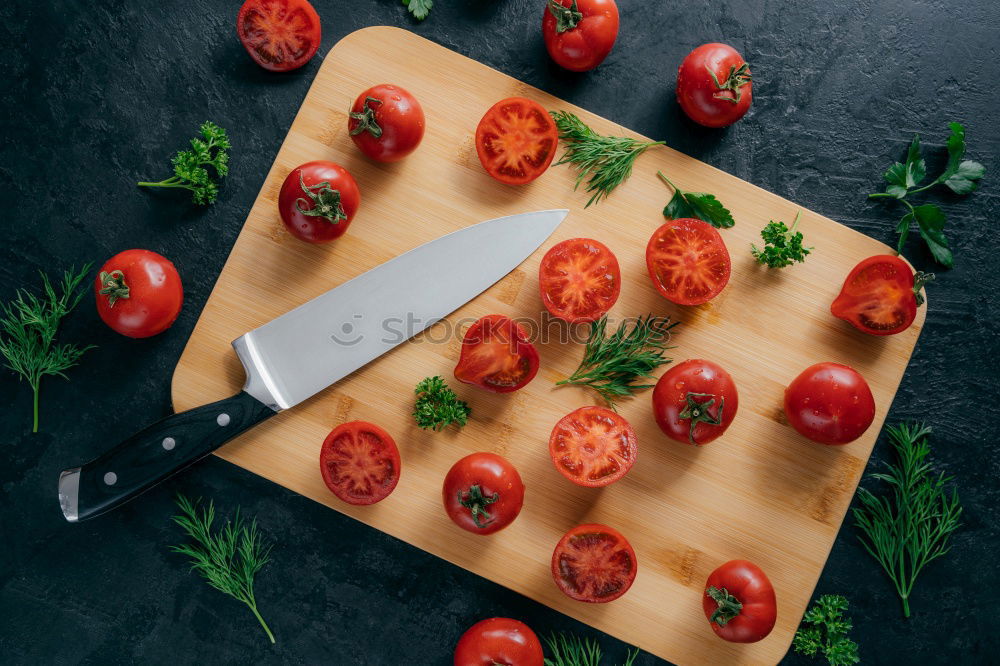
593 446
580 280
880 295
280 35
516 140
593 563
496 355
688 261
360 462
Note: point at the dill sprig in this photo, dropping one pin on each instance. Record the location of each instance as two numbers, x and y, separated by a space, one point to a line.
604 161
228 559
908 528
570 650
28 329
613 363
437 406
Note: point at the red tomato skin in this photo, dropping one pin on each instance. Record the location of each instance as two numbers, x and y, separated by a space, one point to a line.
830 403
879 283
252 29
596 417
495 128
499 640
694 376
390 461
400 117
558 272
493 474
584 47
517 369
155 294
697 92
315 229
624 562
685 228
752 588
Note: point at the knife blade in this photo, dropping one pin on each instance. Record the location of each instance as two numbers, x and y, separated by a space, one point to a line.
305 350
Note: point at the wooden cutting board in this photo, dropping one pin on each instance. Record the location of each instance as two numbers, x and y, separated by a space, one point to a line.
761 492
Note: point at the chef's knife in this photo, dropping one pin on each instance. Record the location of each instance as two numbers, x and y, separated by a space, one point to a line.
309 348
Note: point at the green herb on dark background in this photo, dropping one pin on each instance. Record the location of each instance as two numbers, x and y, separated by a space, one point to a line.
190 170
570 650
824 630
419 8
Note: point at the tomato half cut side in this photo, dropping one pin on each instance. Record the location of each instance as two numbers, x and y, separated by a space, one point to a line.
880 296
360 463
280 35
516 140
593 446
594 563
580 280
496 355
688 261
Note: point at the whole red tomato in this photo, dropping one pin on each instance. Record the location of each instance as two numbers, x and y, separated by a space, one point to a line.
593 446
496 355
580 280
714 86
360 463
594 563
483 493
386 122
579 34
318 200
739 602
688 261
138 293
280 35
880 295
516 140
830 403
499 641
695 401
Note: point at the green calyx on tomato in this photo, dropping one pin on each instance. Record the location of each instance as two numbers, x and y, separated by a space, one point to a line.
113 286
729 606
737 78
566 17
476 503
697 412
919 280
366 119
326 201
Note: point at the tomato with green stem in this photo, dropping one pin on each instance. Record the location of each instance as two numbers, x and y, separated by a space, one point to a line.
386 123
694 402
594 563
881 295
714 85
138 293
739 602
483 493
579 34
318 201
499 641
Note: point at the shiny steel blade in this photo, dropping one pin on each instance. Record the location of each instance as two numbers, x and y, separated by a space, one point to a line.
305 350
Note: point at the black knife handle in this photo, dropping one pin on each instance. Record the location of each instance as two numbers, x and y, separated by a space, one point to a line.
150 456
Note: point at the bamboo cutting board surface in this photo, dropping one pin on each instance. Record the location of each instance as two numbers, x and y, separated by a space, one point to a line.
761 492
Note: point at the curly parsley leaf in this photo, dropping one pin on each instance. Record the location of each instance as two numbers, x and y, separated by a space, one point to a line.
782 246
438 406
419 8
700 205
191 167
824 629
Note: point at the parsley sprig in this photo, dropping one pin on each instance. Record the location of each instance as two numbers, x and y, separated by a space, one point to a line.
28 327
782 246
700 205
190 166
228 559
419 8
437 406
570 650
824 631
960 176
605 162
612 364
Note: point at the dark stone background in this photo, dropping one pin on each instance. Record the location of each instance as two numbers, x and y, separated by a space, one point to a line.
97 94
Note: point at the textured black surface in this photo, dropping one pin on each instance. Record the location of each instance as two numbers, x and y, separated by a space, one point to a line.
99 94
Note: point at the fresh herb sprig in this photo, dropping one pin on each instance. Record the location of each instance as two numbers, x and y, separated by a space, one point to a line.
605 162
700 205
28 329
570 650
960 176
228 559
419 8
190 166
908 528
612 364
438 406
824 630
782 246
